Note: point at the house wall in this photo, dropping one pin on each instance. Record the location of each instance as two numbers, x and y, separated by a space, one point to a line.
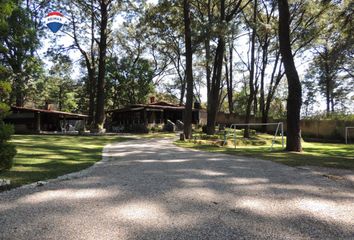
22 122
140 121
27 122
202 117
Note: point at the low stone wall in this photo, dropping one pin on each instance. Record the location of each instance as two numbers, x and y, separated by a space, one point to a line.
329 129
320 129
229 119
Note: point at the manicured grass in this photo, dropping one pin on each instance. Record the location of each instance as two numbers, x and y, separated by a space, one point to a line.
155 135
314 154
41 157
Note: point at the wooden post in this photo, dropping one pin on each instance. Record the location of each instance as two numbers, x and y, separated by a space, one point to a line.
84 124
64 123
38 122
282 135
146 121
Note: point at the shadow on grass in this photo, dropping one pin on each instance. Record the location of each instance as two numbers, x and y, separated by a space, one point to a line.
42 157
331 155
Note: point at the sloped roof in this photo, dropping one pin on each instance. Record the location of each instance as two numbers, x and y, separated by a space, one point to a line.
163 103
157 105
47 111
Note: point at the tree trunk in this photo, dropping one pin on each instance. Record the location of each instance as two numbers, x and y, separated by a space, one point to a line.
207 65
214 95
255 94
91 82
229 78
187 118
328 84
246 133
100 114
293 142
262 95
91 70
19 93
207 51
265 116
274 83
332 104
214 98
183 90
60 107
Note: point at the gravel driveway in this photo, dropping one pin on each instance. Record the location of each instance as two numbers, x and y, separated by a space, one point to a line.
151 189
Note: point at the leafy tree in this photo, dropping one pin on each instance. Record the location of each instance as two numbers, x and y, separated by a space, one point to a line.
269 65
164 22
330 68
18 41
129 81
227 10
166 97
7 150
60 75
309 94
6 8
326 71
82 28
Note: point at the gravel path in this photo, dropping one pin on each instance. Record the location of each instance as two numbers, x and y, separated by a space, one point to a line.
151 189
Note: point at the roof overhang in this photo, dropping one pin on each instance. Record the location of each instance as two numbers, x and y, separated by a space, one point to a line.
60 113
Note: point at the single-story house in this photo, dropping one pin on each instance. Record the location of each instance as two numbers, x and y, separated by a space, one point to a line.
137 117
32 120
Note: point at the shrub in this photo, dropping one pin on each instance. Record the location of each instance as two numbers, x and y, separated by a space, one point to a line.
7 154
209 137
251 131
7 150
6 130
156 128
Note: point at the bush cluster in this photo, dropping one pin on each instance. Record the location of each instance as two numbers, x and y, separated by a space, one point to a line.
7 150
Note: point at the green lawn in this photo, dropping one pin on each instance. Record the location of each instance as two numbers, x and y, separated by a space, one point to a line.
41 157
314 154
